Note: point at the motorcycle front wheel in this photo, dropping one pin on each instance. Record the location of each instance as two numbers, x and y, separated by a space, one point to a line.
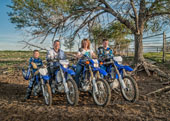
131 92
72 95
47 94
103 96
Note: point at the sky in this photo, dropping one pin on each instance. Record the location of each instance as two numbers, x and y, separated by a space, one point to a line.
10 36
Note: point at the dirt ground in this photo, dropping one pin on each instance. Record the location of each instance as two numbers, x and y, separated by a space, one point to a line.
12 108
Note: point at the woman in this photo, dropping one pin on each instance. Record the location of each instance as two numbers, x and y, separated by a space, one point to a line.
84 50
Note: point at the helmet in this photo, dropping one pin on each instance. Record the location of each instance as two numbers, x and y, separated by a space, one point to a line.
26 75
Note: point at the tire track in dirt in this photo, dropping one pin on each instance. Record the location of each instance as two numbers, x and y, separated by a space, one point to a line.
13 87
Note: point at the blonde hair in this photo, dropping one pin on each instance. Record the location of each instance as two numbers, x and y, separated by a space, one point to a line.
88 41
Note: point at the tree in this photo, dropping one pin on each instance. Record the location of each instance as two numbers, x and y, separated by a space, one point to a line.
40 18
75 16
115 32
69 44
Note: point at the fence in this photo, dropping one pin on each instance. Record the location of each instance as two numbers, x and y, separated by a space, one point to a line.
155 47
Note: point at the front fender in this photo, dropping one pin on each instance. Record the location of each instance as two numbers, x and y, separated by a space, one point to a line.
120 67
101 71
45 78
69 71
128 68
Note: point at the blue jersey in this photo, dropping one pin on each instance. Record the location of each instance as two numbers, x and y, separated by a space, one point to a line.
37 61
102 52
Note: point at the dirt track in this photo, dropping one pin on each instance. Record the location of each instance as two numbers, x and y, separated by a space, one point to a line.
13 87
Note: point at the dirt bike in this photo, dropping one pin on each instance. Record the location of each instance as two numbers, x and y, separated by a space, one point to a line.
64 82
90 81
41 83
118 77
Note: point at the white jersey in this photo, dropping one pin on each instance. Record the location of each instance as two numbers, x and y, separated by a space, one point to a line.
88 52
52 54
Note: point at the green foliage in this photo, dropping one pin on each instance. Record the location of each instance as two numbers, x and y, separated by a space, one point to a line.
39 16
116 32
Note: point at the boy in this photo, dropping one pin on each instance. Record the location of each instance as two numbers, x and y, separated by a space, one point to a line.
105 49
33 62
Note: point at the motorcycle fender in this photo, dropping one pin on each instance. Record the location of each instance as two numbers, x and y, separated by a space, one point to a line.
74 66
128 68
69 71
101 71
45 78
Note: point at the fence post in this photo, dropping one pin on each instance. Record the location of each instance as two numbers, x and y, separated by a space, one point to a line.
164 48
157 50
127 51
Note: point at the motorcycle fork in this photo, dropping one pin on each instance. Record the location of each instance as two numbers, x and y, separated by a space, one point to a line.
98 74
124 72
93 79
64 81
42 86
122 83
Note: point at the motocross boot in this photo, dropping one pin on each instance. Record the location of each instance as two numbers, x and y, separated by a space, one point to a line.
28 94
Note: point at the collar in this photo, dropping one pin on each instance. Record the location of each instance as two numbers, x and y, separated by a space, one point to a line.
55 50
106 48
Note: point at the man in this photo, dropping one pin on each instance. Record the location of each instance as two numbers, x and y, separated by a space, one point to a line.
54 53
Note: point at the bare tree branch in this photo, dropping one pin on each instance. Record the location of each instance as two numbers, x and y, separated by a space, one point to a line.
54 36
33 45
135 13
118 16
85 22
47 33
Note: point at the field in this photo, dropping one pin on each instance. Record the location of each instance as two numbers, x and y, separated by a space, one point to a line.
156 56
13 89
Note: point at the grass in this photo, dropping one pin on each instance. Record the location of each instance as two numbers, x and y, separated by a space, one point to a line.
8 58
156 56
18 54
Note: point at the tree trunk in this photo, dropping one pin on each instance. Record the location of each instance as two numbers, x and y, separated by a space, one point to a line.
95 45
139 60
138 49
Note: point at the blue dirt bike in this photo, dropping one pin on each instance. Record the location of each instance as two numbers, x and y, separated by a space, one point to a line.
118 77
63 81
90 81
41 83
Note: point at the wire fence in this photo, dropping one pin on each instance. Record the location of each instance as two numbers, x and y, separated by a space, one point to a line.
155 47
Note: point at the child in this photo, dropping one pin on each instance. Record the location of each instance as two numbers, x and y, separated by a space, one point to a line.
33 62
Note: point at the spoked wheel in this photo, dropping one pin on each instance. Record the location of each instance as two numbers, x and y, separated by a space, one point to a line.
130 93
72 95
103 95
47 94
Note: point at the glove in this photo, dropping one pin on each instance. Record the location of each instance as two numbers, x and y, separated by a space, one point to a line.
34 65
